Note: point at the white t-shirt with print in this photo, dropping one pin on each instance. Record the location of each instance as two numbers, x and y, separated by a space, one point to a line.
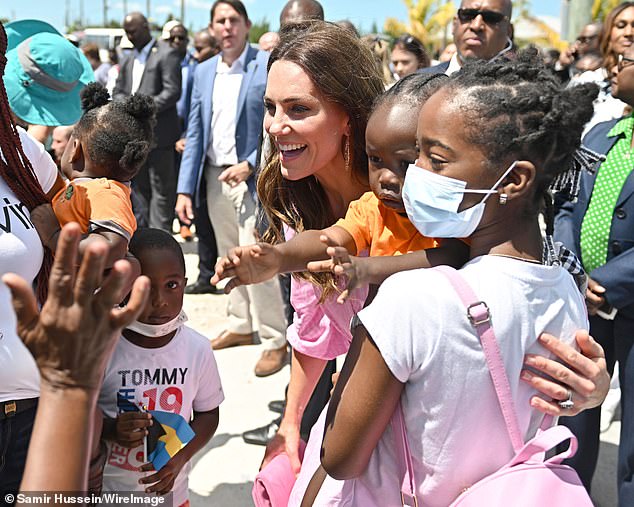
21 252
180 377
455 426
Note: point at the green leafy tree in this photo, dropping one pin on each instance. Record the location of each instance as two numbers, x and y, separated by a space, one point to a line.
427 21
600 8
546 36
258 29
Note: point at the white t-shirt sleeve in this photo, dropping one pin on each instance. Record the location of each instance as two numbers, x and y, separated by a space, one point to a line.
210 394
405 335
42 163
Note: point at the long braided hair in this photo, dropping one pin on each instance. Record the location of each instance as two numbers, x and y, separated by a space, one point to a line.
16 169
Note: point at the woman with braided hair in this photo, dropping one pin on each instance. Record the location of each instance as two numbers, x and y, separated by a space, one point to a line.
28 178
493 141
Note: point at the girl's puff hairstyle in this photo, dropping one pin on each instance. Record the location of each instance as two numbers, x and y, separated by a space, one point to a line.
343 68
518 110
610 58
16 169
117 134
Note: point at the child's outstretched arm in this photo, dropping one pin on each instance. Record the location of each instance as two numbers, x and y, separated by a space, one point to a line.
162 482
374 270
117 244
48 228
260 262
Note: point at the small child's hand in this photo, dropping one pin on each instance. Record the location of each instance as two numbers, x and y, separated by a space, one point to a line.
131 428
46 224
246 265
163 480
341 263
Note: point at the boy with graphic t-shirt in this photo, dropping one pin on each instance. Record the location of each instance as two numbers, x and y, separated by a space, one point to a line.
162 365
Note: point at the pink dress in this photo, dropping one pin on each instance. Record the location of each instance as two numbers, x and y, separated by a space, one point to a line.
321 330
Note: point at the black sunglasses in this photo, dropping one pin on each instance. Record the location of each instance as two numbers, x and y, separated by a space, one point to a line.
489 17
174 38
586 39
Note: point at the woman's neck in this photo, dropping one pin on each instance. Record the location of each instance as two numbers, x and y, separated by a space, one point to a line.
341 187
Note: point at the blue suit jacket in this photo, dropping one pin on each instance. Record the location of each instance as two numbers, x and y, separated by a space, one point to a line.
617 274
250 115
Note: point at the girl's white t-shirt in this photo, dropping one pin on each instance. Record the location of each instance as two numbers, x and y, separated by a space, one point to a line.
21 252
454 424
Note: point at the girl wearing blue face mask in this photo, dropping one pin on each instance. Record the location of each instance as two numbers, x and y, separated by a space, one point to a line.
492 141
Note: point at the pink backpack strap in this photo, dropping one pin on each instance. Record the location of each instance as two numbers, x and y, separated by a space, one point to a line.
403 457
480 316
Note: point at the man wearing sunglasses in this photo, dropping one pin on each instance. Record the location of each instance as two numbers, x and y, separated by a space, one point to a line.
587 43
482 30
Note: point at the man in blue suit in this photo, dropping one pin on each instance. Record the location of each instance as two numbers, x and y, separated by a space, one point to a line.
599 228
223 131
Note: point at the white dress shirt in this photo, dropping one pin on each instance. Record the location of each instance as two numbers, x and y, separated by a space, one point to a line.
138 67
222 145
454 65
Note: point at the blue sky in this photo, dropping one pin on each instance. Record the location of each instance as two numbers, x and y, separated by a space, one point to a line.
360 12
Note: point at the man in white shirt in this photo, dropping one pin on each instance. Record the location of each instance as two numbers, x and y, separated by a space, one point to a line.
153 68
224 125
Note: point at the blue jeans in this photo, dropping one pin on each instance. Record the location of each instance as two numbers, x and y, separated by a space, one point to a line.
15 434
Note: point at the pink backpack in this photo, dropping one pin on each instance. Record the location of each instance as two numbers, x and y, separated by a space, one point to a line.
528 480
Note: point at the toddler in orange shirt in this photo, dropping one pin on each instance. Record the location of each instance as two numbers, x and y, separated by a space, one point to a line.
375 225
107 148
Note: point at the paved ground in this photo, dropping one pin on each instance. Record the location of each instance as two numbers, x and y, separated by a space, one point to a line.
223 472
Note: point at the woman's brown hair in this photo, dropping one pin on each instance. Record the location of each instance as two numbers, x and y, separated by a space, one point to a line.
345 72
16 169
610 58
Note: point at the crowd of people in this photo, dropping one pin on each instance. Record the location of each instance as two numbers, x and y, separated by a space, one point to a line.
458 229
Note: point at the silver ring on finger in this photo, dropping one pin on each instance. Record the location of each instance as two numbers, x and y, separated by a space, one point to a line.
567 404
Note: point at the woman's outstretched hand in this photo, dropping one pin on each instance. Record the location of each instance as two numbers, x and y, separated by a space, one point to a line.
246 265
584 373
74 334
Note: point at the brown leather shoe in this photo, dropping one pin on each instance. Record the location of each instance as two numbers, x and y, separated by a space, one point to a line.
186 233
228 339
271 361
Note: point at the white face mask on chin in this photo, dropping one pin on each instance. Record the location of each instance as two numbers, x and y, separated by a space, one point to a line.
158 330
432 202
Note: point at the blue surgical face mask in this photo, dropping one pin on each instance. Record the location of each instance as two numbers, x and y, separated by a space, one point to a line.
432 202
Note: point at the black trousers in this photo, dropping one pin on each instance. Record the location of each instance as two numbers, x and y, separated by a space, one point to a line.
207 248
154 190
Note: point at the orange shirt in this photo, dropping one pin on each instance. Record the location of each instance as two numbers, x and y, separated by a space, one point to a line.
96 203
381 231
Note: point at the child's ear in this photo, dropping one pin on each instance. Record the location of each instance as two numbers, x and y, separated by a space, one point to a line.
76 150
